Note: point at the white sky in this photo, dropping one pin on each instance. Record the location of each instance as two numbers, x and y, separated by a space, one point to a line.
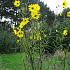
52 4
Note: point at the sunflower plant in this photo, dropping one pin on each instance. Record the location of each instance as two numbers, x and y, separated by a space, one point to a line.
37 29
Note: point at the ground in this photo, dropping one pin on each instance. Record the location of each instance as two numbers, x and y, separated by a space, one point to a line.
18 61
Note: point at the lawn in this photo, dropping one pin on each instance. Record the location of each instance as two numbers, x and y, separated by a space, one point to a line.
18 61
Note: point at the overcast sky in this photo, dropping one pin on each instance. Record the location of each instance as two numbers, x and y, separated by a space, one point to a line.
52 4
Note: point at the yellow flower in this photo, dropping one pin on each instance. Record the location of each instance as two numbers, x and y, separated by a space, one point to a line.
65 4
26 20
35 15
37 7
34 7
15 32
21 25
65 32
68 14
18 33
17 3
23 22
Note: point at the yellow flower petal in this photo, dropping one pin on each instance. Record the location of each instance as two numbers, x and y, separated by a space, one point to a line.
65 32
17 3
18 32
34 7
35 15
68 14
23 22
65 4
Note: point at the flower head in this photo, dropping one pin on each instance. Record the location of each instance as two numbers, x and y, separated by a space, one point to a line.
34 7
18 32
26 20
65 4
35 15
23 22
65 32
17 3
68 14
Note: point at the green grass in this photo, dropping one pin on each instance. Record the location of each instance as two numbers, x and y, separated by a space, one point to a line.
18 61
12 61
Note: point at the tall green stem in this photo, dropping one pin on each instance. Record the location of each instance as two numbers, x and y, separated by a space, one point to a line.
64 68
